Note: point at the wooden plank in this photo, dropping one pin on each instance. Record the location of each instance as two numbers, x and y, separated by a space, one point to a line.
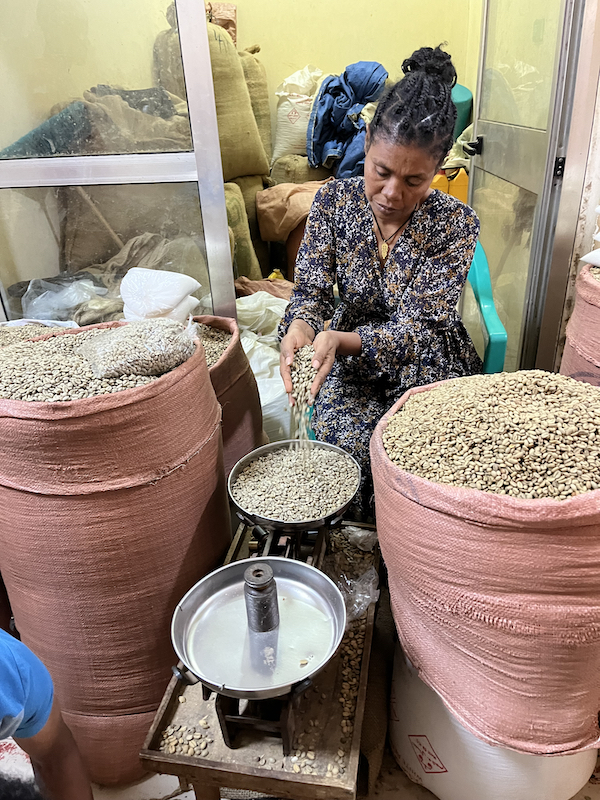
257 763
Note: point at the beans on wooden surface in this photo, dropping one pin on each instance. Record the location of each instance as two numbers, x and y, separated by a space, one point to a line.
528 434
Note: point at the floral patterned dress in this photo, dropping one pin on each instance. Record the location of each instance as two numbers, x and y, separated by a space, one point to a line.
405 312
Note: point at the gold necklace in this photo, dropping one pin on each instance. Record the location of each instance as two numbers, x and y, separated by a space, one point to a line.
384 242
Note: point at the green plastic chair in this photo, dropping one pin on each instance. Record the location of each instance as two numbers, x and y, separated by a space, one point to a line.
493 329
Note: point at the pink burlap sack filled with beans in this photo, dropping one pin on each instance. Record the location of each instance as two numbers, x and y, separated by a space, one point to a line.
111 508
235 386
581 356
496 601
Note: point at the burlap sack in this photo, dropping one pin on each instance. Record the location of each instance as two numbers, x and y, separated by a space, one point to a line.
242 152
281 208
235 386
111 508
256 81
296 169
496 603
250 186
246 260
581 356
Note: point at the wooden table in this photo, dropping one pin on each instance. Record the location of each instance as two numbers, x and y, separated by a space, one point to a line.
329 717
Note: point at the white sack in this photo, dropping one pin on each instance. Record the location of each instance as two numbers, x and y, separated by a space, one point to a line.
155 292
435 750
293 111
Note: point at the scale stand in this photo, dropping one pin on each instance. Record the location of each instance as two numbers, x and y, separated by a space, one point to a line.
274 716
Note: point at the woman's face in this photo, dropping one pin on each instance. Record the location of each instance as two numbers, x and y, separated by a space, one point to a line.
397 178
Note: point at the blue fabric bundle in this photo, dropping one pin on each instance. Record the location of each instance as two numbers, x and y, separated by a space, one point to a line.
336 132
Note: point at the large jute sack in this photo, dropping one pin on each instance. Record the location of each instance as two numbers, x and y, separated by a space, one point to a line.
496 602
581 356
250 186
246 260
111 508
237 392
296 169
255 74
242 152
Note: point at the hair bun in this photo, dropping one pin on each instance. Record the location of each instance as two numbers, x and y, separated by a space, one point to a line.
434 62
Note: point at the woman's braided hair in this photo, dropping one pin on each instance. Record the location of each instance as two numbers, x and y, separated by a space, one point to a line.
419 109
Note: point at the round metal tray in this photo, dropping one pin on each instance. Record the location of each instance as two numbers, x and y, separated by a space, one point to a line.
279 524
211 637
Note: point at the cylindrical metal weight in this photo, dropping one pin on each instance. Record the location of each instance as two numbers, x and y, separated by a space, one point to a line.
260 592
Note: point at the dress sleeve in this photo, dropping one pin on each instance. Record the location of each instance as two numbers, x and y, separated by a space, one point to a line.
312 298
427 307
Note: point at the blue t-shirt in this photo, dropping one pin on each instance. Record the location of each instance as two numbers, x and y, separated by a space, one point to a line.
26 690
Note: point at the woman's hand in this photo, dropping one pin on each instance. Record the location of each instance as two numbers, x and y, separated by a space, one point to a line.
328 344
299 334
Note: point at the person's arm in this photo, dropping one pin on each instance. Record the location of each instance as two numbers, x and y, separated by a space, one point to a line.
312 299
57 763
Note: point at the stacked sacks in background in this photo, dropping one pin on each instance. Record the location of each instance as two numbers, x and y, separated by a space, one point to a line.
242 104
495 596
111 508
581 356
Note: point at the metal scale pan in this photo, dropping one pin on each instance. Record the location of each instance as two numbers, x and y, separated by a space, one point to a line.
211 636
284 526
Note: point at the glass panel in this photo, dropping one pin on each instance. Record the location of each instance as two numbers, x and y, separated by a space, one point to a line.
521 40
94 234
507 215
90 78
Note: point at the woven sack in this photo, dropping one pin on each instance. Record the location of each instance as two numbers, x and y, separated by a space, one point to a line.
250 186
111 508
496 602
296 169
581 356
235 386
256 81
246 260
242 152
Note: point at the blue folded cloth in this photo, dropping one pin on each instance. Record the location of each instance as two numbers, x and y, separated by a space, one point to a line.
336 133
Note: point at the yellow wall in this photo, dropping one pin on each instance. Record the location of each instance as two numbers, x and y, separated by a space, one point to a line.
334 33
52 50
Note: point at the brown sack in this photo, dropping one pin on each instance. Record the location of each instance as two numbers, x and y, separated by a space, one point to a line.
246 261
496 600
111 508
235 386
296 169
250 186
581 357
256 81
242 152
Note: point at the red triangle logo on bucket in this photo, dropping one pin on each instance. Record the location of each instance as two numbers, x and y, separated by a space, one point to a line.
427 756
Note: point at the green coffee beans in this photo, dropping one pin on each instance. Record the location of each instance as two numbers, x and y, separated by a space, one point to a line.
215 343
10 334
528 434
303 374
595 273
281 485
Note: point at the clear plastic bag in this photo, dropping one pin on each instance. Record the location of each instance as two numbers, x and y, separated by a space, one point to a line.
150 347
57 299
363 538
359 593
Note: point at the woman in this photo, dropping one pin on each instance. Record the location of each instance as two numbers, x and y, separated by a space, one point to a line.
400 253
